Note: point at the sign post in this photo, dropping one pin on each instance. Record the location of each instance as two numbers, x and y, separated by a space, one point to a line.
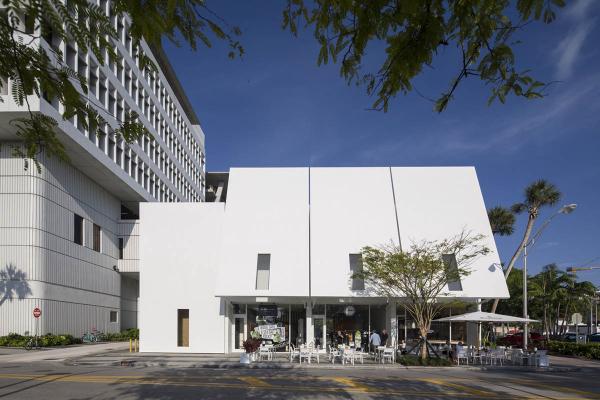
37 313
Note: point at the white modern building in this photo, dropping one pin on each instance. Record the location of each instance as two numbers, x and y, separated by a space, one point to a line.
276 247
69 235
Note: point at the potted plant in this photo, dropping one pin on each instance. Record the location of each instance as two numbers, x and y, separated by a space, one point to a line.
251 346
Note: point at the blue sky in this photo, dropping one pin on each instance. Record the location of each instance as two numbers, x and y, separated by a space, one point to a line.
275 107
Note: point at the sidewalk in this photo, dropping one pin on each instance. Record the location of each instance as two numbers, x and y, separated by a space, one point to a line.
281 361
63 353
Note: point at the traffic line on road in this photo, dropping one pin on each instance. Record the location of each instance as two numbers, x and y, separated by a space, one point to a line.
250 382
255 382
464 388
347 384
351 383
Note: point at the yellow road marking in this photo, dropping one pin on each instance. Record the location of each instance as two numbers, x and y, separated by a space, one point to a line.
467 389
252 381
555 387
169 382
351 383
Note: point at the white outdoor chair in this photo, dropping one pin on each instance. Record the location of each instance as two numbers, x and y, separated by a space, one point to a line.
477 355
360 355
379 352
461 354
334 353
496 356
264 352
314 353
541 358
294 352
387 354
348 355
517 356
304 354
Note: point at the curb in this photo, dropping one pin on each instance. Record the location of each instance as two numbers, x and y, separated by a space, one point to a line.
289 366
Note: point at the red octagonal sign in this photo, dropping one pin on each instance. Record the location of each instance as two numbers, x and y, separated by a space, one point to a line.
37 312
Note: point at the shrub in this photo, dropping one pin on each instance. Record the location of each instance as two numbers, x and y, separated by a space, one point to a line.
409 360
47 340
122 336
590 350
251 345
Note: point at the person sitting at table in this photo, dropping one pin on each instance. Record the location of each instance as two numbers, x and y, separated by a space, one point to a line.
375 340
384 337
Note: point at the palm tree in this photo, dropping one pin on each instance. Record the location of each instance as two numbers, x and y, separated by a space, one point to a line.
539 194
502 221
578 297
548 289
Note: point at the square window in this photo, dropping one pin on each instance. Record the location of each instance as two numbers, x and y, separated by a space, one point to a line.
114 316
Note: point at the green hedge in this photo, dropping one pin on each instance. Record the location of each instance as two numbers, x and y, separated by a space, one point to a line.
590 350
122 336
47 340
432 361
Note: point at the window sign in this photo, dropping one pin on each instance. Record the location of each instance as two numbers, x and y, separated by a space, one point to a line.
271 331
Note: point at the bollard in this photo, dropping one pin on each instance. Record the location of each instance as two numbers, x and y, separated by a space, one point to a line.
135 345
130 343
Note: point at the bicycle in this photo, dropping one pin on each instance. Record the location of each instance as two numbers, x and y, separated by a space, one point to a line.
92 337
32 343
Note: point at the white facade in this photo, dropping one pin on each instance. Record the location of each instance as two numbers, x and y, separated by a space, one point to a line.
181 256
308 221
80 288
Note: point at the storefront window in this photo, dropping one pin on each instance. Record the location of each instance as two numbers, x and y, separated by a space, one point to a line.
347 324
439 332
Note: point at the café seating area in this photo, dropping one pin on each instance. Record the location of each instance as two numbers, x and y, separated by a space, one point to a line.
349 355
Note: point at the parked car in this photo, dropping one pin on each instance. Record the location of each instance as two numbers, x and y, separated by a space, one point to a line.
516 339
594 337
572 337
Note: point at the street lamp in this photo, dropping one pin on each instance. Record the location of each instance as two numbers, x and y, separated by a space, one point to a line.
567 209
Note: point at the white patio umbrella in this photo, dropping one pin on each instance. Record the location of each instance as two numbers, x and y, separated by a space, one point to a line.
480 316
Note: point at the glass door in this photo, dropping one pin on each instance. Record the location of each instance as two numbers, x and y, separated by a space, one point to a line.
239 333
319 330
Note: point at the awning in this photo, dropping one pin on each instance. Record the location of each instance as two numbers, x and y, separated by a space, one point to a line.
480 316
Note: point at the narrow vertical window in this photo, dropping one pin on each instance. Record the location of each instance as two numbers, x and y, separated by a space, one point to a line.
183 327
121 245
452 274
356 266
78 229
263 269
114 316
97 238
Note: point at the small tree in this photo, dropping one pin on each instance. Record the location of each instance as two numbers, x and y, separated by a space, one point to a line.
421 274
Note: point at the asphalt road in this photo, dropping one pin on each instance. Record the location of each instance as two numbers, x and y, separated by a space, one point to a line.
51 380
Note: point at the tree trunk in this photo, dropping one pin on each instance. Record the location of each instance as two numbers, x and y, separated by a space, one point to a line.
515 256
546 323
423 351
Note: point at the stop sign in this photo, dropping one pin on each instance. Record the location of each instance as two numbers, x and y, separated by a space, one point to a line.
37 312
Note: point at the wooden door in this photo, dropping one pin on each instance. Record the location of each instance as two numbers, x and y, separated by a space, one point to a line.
183 328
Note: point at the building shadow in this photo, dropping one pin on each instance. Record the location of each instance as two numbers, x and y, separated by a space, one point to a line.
13 284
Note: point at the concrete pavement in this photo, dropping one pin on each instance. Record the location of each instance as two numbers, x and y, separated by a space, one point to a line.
62 353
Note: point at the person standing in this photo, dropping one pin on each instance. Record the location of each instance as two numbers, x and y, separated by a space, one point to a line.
375 341
339 339
384 337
